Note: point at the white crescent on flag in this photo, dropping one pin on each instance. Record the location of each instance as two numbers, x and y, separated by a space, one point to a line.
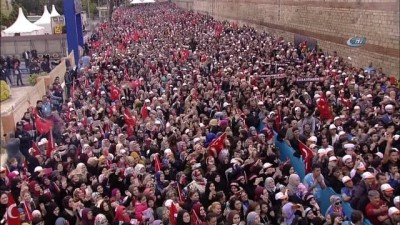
9 211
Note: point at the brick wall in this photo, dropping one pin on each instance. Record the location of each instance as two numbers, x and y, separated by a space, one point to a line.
331 22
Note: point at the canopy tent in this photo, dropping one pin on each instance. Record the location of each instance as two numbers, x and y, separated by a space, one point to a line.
23 26
135 2
45 21
54 11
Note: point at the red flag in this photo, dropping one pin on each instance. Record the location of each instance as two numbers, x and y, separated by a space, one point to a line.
50 145
43 126
157 163
181 199
130 121
217 144
278 120
144 112
115 93
12 213
307 155
56 187
173 213
324 109
28 212
218 30
184 54
36 150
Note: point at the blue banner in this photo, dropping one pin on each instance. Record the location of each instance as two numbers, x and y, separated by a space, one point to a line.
286 152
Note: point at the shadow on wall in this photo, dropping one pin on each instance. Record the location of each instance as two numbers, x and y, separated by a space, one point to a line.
286 152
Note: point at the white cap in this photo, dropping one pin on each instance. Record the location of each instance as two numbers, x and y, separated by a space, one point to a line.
122 151
345 179
367 175
38 169
346 157
332 158
225 104
386 187
168 203
102 92
393 210
389 107
321 151
147 100
328 93
297 109
369 96
332 126
396 200
379 154
337 118
313 139
157 122
361 166
349 146
342 133
280 196
317 96
356 107
260 103
195 140
267 165
328 149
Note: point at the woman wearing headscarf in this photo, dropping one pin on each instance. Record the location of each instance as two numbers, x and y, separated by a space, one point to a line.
53 212
121 215
106 210
101 220
253 219
336 206
160 182
87 217
210 194
69 210
292 214
61 221
183 218
296 190
198 214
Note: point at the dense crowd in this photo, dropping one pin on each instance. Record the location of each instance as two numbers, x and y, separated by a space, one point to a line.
172 118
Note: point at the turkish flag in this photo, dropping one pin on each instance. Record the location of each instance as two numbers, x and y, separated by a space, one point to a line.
130 121
115 93
173 213
216 145
218 30
307 155
157 163
324 109
184 54
50 145
43 126
144 112
12 213
36 150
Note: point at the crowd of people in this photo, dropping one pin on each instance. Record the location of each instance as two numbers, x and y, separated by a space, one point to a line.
10 66
172 118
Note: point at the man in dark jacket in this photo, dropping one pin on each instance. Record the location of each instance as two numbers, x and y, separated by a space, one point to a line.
25 139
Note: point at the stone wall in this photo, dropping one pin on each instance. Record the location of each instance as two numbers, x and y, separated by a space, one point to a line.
330 22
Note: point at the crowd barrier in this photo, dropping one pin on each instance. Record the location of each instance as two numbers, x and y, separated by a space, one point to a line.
286 152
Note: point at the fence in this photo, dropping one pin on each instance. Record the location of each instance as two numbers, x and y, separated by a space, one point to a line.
286 152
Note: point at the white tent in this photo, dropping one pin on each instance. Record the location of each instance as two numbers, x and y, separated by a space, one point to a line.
54 11
23 26
45 21
135 2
